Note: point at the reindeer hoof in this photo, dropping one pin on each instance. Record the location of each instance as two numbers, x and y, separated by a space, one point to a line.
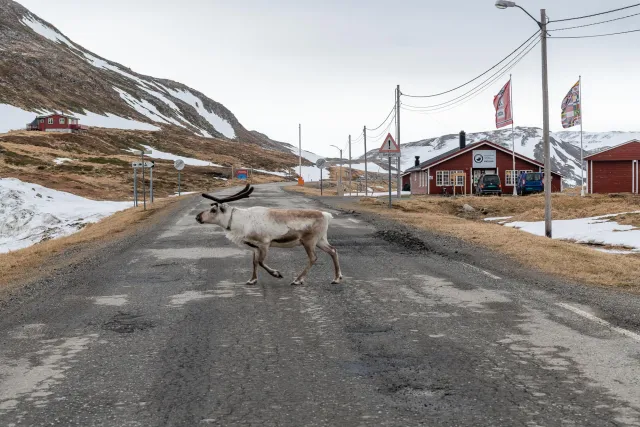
277 275
337 281
297 283
252 282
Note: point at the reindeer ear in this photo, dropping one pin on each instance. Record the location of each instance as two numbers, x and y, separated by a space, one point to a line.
223 209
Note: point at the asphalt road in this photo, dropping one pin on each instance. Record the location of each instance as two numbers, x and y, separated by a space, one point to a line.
161 329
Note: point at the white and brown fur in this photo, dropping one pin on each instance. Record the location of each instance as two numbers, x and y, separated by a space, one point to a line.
262 228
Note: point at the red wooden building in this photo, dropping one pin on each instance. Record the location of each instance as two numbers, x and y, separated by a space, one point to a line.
56 123
614 170
485 157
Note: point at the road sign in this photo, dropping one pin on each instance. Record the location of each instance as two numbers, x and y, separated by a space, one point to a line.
139 152
242 174
178 164
389 146
138 165
390 154
320 163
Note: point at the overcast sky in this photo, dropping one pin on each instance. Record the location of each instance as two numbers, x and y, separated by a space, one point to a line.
333 65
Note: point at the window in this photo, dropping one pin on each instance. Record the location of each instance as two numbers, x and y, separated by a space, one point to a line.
50 121
459 179
442 178
423 178
61 120
511 178
41 120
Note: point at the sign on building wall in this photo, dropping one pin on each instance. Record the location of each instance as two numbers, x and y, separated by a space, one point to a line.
484 159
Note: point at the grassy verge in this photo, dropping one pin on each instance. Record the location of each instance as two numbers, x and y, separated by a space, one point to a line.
32 262
564 259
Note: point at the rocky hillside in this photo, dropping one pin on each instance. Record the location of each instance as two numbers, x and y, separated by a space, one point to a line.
41 70
565 146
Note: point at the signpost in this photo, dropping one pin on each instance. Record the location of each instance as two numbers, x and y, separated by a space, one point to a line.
391 150
320 164
179 165
454 177
242 174
142 153
142 165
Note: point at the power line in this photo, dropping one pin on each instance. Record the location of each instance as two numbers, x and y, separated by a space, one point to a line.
383 133
498 73
595 14
595 23
385 120
473 95
476 78
596 35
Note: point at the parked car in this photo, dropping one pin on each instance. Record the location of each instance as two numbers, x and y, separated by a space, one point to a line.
489 184
530 182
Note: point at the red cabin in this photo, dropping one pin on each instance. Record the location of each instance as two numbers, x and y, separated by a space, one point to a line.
614 170
436 175
56 123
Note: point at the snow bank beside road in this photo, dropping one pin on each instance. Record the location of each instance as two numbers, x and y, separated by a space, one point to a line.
595 230
31 213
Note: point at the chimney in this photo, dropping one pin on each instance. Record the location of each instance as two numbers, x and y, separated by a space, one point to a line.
463 140
417 160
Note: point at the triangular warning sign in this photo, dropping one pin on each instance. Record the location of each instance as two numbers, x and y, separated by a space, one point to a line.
389 145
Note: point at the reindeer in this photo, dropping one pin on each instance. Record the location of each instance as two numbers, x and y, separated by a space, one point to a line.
261 228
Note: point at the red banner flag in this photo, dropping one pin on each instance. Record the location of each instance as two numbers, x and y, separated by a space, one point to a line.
502 104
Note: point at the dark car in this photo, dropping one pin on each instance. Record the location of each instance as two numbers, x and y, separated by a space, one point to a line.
489 184
530 182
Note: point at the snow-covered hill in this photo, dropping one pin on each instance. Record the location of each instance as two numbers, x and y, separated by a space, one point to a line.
44 71
565 147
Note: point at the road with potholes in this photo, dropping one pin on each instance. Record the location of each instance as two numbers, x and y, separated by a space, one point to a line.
161 329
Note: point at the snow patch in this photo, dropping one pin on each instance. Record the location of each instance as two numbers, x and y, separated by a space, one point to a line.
14 118
61 160
45 30
220 124
595 230
31 213
112 121
157 154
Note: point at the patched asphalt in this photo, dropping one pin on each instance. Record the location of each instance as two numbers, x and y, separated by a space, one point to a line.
161 330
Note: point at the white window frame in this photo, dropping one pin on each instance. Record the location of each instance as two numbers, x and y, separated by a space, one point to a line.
459 179
444 178
508 173
61 120
50 121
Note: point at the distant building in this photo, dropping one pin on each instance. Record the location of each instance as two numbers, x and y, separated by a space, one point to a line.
485 157
56 123
614 170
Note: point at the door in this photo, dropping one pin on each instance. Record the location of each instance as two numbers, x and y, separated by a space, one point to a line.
479 172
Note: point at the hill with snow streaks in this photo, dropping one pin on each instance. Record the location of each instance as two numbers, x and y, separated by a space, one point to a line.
43 71
564 147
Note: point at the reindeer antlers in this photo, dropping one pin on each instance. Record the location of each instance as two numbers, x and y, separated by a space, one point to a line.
243 194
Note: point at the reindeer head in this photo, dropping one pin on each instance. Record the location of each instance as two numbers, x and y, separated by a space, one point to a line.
220 212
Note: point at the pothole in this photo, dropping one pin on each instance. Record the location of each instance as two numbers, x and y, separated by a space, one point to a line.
127 323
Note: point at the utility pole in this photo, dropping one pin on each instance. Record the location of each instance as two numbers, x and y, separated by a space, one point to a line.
399 177
545 126
350 174
144 189
366 182
300 150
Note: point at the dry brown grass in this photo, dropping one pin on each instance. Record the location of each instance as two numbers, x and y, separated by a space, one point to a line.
528 208
101 168
25 264
564 259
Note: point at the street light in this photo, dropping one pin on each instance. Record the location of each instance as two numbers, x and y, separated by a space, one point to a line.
503 4
340 176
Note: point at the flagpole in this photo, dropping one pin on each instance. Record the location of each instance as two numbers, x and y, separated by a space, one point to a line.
513 140
581 149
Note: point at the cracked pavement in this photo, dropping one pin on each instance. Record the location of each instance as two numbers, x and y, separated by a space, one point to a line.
161 330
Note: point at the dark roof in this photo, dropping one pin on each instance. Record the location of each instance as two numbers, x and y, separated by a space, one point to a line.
55 114
452 153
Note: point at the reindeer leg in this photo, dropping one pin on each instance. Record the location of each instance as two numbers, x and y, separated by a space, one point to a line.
324 245
262 255
310 247
254 276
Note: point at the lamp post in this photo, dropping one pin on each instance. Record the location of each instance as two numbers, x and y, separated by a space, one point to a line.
340 176
503 4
